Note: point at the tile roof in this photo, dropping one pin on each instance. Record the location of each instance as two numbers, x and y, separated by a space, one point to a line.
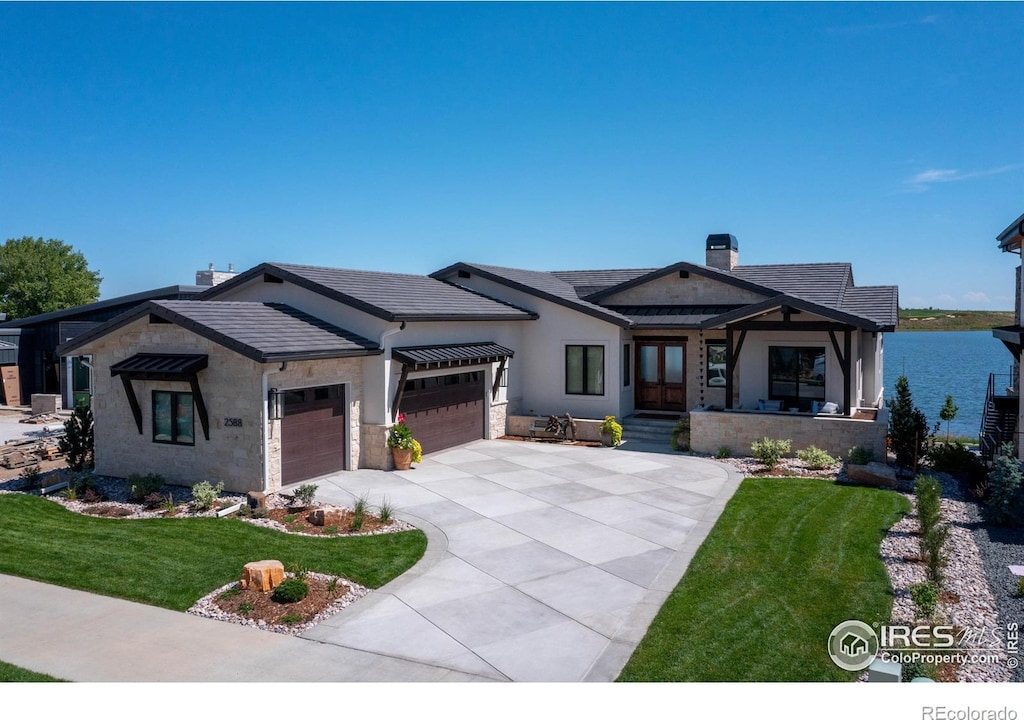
264 332
823 283
539 283
879 303
390 296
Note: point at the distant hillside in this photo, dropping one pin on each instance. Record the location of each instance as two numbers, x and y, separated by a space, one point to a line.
932 319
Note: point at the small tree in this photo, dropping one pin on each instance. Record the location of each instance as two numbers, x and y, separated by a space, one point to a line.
908 427
1004 503
40 276
77 442
948 413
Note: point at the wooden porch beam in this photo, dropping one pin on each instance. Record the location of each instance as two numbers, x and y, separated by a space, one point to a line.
497 378
197 396
133 402
398 392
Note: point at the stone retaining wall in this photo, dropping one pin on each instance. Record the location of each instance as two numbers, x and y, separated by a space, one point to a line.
519 425
710 430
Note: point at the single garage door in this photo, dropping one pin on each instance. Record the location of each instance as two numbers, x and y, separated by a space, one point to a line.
446 410
312 433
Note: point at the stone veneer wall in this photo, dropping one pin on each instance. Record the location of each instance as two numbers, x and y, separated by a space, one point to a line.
375 453
519 425
738 430
230 385
497 420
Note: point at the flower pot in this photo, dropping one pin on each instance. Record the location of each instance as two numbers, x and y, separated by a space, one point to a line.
402 457
606 439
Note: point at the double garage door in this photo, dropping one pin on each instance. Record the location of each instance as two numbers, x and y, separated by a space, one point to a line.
313 433
445 410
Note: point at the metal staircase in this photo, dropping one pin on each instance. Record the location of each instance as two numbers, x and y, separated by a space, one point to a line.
998 419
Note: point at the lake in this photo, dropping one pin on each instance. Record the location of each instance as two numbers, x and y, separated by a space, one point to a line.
947 363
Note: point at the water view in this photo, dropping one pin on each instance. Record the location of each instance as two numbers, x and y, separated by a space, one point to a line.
947 363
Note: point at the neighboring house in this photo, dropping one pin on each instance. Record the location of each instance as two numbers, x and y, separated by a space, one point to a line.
1001 421
294 371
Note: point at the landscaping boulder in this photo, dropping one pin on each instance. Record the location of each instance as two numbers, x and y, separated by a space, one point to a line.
262 575
875 474
317 517
257 499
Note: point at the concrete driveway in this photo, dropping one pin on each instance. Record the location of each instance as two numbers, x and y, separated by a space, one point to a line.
545 562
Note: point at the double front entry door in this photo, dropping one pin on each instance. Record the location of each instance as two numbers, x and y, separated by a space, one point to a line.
661 376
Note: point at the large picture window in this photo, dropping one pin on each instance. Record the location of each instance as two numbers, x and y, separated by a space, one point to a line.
173 420
584 369
796 375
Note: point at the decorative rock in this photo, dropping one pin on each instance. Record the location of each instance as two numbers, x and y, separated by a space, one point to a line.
263 575
875 474
317 518
257 499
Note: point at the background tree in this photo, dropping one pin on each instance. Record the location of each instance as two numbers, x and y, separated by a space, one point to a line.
948 413
39 276
908 427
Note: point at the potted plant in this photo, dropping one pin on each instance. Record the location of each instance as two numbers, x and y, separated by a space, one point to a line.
611 431
404 449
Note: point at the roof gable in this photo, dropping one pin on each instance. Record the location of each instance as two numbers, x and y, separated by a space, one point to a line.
617 294
264 332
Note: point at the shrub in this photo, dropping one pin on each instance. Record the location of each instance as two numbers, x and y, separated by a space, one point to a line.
770 451
385 510
934 555
612 428
723 452
816 458
78 441
32 476
928 493
291 619
205 495
417 451
681 435
246 608
305 493
908 427
954 458
1004 489
861 455
153 500
290 590
139 486
81 482
926 596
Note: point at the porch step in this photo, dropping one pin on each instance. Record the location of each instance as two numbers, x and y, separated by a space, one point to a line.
648 430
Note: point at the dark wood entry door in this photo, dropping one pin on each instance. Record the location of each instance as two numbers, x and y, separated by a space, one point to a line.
661 376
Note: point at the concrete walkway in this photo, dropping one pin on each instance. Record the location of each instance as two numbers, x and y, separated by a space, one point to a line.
545 563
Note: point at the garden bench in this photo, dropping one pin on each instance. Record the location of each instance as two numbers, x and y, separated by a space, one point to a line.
543 427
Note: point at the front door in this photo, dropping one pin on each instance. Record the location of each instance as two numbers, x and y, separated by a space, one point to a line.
661 376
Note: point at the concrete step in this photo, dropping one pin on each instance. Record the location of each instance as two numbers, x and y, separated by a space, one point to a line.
648 429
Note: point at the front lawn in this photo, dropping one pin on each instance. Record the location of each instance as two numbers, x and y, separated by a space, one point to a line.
13 673
174 562
786 562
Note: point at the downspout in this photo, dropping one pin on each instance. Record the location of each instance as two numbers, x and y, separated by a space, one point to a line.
265 387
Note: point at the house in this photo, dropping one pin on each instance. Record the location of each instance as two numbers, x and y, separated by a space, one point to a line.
31 342
1001 418
294 371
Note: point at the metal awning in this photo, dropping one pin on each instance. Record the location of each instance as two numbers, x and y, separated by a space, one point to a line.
428 357
163 366
159 366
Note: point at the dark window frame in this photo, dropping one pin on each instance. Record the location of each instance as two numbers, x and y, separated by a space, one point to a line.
627 370
174 406
584 367
803 401
707 361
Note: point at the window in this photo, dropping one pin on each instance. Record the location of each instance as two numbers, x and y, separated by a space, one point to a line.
716 364
627 371
796 375
172 418
584 370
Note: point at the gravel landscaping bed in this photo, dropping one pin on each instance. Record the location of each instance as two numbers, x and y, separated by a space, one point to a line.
999 548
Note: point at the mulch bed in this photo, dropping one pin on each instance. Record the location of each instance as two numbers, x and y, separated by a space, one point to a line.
338 521
256 606
553 441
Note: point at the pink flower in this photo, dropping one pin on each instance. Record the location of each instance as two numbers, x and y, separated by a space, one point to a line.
401 417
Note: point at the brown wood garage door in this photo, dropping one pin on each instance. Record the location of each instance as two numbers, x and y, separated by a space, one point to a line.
445 411
312 433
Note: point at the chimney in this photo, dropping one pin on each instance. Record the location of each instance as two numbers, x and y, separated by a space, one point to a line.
211 277
723 252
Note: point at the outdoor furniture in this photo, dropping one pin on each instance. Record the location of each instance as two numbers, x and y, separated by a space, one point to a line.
548 427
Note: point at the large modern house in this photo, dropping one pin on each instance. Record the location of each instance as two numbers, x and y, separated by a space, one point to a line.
286 372
1001 421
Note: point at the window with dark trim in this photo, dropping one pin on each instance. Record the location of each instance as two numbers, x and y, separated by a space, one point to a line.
716 364
627 371
796 375
173 419
584 369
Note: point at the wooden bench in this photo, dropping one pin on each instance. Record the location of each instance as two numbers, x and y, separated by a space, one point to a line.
540 426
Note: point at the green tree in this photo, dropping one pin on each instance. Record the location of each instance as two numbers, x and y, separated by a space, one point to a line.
908 427
39 276
948 413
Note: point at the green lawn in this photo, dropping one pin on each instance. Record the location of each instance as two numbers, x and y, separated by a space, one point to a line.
786 562
13 673
172 563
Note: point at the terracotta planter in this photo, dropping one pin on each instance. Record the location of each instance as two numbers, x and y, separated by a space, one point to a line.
403 458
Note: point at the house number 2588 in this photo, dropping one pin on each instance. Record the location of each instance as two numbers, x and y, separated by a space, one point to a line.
232 422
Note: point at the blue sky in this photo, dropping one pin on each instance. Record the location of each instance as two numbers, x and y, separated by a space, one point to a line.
159 138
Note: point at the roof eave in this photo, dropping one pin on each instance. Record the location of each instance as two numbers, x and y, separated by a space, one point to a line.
774 303
317 355
702 270
1010 239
